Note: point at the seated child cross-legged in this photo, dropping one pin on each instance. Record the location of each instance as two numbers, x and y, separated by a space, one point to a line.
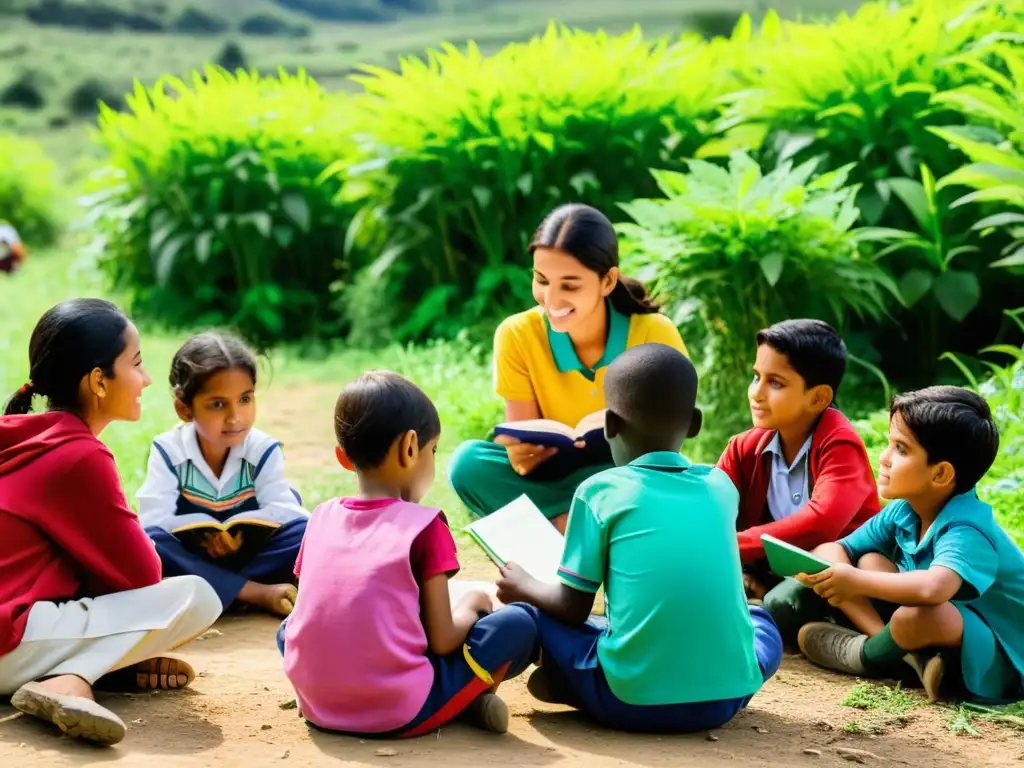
681 649
374 646
932 579
215 501
802 472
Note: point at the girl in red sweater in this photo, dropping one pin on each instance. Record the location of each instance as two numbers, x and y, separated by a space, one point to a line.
80 590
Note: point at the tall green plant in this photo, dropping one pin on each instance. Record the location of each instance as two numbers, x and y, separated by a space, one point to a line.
476 149
749 249
29 194
211 208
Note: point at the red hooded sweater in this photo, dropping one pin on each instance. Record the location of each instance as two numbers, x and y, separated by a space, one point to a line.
843 491
66 530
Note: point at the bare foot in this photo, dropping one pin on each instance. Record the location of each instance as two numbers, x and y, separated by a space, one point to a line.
278 599
163 673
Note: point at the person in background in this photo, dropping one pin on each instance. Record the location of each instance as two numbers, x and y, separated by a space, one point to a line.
932 580
12 251
215 500
803 472
550 361
681 649
81 600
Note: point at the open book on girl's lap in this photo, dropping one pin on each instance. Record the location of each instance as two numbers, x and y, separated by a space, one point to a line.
554 434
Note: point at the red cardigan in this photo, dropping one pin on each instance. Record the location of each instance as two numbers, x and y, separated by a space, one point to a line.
66 530
843 491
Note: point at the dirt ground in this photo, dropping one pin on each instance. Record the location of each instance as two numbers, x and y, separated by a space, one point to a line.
232 717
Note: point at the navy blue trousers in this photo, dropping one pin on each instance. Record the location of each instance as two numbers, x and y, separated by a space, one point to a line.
503 644
274 564
570 657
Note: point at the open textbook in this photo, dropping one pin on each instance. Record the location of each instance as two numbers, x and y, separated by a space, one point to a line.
519 533
787 560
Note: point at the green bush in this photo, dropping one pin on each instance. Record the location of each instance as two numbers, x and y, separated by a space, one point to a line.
469 152
210 207
29 193
737 251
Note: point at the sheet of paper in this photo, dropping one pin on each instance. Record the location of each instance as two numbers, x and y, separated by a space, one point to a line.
519 533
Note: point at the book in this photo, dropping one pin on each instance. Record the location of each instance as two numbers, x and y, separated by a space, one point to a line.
555 434
787 560
255 536
519 533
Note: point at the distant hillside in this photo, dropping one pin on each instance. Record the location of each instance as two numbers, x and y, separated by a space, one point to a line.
58 58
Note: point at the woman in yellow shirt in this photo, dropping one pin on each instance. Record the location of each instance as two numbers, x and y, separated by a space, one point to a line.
549 361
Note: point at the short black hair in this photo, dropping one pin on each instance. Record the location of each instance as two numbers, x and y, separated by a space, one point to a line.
653 388
205 355
952 424
374 410
814 350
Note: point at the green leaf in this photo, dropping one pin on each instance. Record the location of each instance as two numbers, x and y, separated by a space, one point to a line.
771 267
203 246
914 284
166 258
999 220
957 292
913 195
1015 259
284 236
297 209
1005 349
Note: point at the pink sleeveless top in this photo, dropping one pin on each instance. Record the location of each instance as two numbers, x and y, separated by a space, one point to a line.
355 646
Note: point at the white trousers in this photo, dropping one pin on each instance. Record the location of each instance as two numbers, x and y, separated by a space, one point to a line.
94 636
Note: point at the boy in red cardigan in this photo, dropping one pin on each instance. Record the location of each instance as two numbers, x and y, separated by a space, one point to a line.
802 472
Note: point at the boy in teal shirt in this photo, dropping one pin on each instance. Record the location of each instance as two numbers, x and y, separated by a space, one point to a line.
935 559
681 650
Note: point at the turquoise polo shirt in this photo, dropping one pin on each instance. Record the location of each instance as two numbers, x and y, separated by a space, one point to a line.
966 539
660 535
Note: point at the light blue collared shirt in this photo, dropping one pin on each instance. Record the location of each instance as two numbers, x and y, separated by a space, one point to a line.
789 486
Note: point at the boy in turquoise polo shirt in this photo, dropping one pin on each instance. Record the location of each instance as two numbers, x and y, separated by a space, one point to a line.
681 650
934 559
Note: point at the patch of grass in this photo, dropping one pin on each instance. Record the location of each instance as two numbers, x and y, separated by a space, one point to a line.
1009 716
887 706
960 723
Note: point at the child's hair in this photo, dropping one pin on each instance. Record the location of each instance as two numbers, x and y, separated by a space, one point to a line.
588 236
205 355
374 410
814 350
652 387
951 424
70 341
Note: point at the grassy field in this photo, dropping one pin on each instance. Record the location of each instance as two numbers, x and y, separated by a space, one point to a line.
296 396
64 63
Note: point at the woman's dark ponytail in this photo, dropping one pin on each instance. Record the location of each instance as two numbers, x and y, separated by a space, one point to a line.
21 401
69 342
630 297
588 236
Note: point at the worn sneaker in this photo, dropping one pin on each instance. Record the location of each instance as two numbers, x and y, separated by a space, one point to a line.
833 647
487 712
930 668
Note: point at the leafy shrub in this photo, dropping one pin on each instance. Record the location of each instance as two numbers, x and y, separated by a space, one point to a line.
739 250
477 149
94 16
232 57
85 98
27 90
339 10
29 194
265 25
210 208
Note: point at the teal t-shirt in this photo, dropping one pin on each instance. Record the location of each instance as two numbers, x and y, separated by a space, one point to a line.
966 539
660 534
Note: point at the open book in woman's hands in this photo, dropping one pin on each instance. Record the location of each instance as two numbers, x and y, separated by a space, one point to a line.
555 434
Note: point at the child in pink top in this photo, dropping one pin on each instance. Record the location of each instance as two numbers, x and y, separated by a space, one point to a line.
373 645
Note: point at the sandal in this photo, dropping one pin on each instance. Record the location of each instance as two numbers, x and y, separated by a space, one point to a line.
76 716
162 673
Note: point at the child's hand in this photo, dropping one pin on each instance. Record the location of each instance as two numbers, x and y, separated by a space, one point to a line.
524 457
477 601
837 584
222 544
514 584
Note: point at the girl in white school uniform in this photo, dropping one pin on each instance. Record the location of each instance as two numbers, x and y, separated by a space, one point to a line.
215 500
